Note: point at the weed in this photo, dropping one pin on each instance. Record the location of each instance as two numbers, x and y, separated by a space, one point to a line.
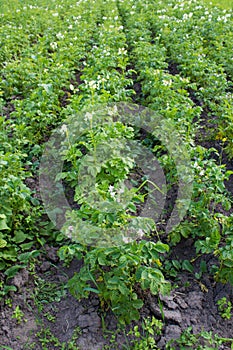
224 307
47 338
146 340
18 315
201 341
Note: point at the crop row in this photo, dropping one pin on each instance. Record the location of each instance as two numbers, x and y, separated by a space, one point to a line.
153 53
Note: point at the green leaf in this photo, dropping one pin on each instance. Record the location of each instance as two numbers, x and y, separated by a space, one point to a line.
161 247
48 87
186 265
3 243
3 222
24 257
2 265
138 273
12 271
132 207
154 288
20 236
175 237
9 254
113 283
60 176
113 280
133 315
137 304
165 288
228 263
123 289
5 347
89 289
176 264
26 246
8 289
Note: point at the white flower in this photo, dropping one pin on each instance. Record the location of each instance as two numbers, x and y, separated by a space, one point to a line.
140 233
122 51
69 231
88 117
111 192
64 129
55 14
53 45
92 84
126 239
112 111
167 82
59 35
71 87
187 15
121 191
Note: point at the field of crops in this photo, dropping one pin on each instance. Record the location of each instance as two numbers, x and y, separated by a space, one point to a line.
116 174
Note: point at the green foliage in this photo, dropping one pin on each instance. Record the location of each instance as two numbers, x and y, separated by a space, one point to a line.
46 338
226 4
151 327
5 289
224 307
47 292
18 314
105 202
200 341
114 273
